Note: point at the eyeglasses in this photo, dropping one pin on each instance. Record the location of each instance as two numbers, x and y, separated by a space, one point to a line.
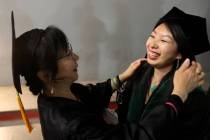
68 53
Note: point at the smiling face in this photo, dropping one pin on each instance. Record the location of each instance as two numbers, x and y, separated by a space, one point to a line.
67 66
161 47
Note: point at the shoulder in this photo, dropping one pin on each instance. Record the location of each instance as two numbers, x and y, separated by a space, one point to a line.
141 71
78 88
144 67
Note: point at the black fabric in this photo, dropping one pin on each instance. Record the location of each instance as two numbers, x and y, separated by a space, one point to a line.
192 121
65 119
137 103
175 100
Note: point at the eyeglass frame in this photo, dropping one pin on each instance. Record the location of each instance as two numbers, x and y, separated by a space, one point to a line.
69 53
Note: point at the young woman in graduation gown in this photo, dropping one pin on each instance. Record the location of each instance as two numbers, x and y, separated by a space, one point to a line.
71 111
176 36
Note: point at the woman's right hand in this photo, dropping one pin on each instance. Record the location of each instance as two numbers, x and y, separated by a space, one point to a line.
131 69
187 78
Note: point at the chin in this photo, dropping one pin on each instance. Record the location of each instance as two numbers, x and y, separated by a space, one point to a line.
76 77
160 65
154 64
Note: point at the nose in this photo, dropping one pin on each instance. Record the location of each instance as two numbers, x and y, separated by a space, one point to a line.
75 57
154 44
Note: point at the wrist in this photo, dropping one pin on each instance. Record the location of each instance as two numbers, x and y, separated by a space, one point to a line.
176 103
182 95
115 83
122 77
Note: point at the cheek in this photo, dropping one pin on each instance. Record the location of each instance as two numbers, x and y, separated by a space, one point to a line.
68 66
65 66
169 51
147 42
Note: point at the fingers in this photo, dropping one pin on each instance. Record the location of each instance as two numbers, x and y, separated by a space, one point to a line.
193 67
142 59
185 65
201 76
201 82
196 69
131 69
139 61
199 68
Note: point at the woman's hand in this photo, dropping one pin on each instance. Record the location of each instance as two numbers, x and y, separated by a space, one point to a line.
187 78
131 69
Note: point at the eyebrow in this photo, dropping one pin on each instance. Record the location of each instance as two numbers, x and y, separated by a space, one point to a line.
163 35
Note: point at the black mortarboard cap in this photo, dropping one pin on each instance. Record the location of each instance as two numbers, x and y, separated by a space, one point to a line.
194 28
23 49
16 76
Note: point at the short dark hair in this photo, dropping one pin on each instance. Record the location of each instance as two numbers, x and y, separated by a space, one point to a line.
38 50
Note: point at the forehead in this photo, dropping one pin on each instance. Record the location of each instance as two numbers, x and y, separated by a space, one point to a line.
61 52
163 30
64 51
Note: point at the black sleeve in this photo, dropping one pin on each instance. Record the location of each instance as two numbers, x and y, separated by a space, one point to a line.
155 124
97 96
206 131
160 119
123 99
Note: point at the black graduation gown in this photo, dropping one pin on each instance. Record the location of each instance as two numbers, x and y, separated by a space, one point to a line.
192 123
65 119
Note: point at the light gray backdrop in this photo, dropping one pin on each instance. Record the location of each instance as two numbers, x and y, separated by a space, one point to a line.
106 34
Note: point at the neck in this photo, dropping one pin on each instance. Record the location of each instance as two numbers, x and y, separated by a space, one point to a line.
159 73
61 88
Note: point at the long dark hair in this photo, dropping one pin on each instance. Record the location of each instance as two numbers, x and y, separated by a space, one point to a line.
38 50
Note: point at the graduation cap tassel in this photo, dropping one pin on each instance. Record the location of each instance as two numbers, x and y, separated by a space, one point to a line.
23 114
16 79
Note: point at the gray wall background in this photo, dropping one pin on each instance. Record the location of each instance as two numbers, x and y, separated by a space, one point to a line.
106 34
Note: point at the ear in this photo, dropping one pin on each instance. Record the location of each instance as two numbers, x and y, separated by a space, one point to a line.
45 76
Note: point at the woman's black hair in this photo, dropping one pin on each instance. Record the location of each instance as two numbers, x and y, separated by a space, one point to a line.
179 36
39 50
